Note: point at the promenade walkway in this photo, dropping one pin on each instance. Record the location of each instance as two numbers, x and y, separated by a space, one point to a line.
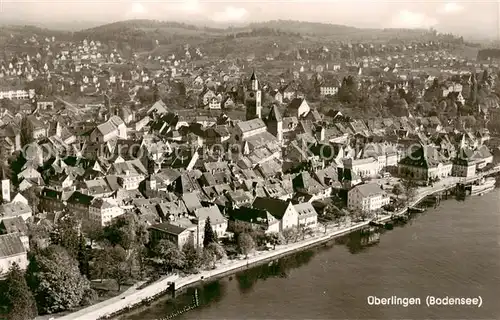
134 297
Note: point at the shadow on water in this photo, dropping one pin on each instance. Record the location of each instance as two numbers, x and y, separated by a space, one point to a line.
275 269
210 292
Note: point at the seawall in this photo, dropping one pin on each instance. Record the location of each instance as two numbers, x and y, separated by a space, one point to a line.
134 298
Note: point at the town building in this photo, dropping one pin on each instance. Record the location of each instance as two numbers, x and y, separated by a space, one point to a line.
367 197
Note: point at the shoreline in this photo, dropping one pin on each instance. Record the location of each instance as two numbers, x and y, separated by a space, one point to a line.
134 298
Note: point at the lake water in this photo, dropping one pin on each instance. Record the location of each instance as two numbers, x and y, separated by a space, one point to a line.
453 250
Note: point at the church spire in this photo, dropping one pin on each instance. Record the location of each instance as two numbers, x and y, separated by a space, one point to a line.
253 77
254 82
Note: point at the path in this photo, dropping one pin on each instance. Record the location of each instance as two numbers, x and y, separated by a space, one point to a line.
135 297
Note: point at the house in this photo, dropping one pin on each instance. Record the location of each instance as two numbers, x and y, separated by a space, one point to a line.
104 210
168 231
253 219
308 217
288 93
298 107
367 197
36 128
483 156
281 210
206 96
15 209
310 188
129 173
16 225
329 88
13 225
214 103
44 104
111 129
159 107
277 96
12 251
247 129
217 220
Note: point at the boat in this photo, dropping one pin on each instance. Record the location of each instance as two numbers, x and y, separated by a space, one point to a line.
416 210
484 186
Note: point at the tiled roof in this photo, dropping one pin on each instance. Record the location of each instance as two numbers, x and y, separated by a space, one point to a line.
11 245
168 228
275 207
250 125
369 189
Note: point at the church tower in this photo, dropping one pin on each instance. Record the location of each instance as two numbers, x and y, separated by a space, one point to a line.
253 99
5 186
274 123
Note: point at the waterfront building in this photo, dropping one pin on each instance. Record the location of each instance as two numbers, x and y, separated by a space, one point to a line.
280 210
464 165
367 197
425 163
308 217
167 231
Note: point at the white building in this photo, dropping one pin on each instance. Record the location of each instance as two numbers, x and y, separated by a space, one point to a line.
367 197
12 251
15 209
308 217
111 129
104 210
368 167
9 93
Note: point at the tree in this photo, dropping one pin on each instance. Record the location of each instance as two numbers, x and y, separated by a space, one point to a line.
290 235
102 263
217 251
168 255
348 91
119 270
410 189
208 259
193 257
83 257
209 234
15 296
245 244
39 233
66 235
305 231
93 230
130 233
55 280
120 273
276 238
397 190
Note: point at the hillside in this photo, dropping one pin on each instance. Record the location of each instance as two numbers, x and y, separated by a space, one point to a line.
272 38
9 32
485 54
337 32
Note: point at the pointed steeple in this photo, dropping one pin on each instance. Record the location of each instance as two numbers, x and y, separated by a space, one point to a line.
274 114
254 83
253 77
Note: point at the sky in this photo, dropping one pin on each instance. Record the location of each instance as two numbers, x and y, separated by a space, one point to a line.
479 17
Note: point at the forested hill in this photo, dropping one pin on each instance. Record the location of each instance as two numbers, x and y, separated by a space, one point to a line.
488 53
